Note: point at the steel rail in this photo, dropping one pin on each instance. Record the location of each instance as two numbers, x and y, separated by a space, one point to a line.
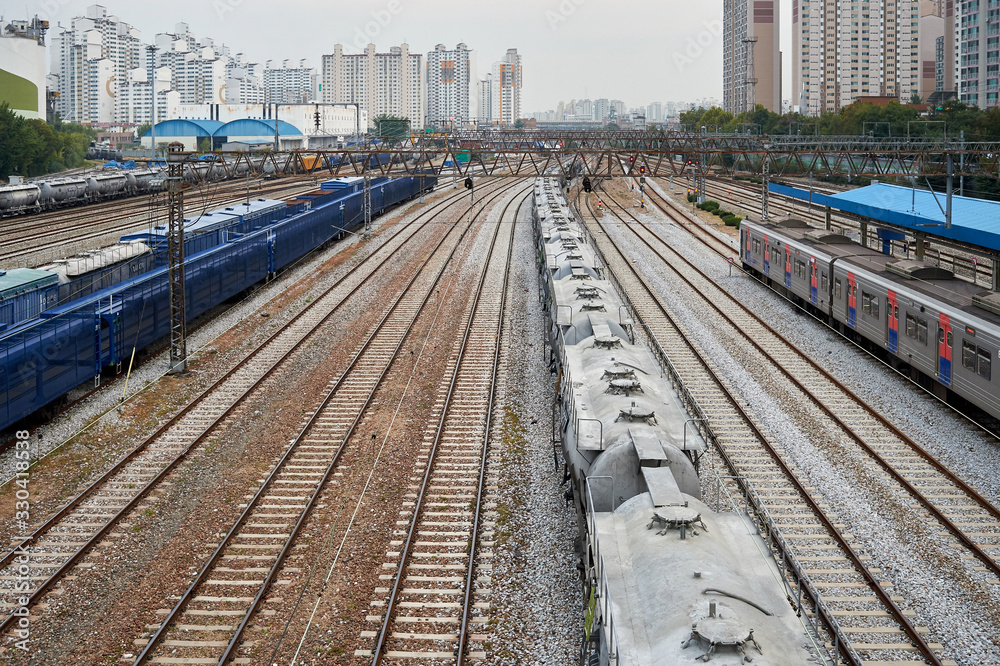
274 569
908 628
206 569
405 551
687 226
140 448
950 476
463 632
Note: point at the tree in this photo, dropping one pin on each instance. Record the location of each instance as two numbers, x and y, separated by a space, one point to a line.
391 126
612 127
915 98
205 146
518 124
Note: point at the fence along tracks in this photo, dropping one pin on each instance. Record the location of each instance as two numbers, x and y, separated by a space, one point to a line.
428 615
234 581
862 618
55 547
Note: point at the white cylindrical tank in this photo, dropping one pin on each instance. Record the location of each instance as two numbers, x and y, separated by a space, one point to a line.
16 197
63 189
105 184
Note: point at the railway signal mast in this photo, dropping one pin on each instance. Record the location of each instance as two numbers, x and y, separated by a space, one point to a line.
175 256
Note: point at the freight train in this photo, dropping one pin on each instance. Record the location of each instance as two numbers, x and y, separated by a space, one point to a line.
47 194
942 330
668 580
73 329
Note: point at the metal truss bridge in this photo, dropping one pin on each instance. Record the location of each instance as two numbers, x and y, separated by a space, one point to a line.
527 153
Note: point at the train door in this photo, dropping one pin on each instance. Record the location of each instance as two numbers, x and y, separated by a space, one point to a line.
767 254
944 349
813 286
892 322
746 233
788 267
852 300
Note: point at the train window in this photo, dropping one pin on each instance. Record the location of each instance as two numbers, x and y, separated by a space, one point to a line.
922 331
866 303
968 356
984 363
875 306
837 289
823 283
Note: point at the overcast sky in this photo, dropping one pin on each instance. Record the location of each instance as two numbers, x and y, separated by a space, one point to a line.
636 51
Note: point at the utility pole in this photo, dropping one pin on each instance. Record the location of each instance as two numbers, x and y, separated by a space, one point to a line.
368 199
764 179
152 49
276 146
175 256
750 76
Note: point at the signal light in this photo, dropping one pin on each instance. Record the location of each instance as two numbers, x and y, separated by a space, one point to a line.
632 159
642 169
468 183
586 184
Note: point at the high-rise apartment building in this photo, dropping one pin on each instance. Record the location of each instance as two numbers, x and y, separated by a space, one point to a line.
381 83
22 67
91 62
506 95
931 47
977 39
452 86
602 109
654 112
288 84
485 95
244 81
751 69
845 49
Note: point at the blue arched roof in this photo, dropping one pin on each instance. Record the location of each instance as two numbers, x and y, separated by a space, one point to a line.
186 127
256 127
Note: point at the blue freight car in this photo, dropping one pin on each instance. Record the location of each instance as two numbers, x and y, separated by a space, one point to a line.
24 293
41 360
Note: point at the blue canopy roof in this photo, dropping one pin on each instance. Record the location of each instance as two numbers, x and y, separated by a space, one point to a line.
256 127
185 127
973 221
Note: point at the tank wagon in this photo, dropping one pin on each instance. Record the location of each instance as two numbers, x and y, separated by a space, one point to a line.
942 330
668 580
79 340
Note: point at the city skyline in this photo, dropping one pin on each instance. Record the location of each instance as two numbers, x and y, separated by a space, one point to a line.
554 33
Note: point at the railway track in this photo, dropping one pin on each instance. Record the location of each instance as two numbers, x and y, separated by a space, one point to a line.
712 241
57 545
831 574
918 472
746 198
234 581
432 604
85 228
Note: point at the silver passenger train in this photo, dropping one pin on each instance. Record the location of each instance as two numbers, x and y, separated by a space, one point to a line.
943 330
667 579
